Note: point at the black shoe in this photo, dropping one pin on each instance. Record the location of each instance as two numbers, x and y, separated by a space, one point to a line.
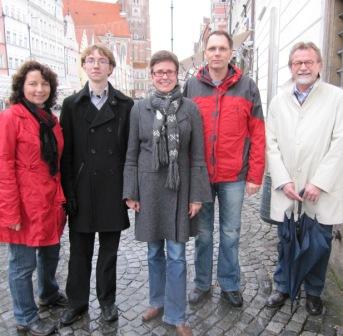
109 313
235 298
277 299
60 300
38 328
196 295
71 315
314 304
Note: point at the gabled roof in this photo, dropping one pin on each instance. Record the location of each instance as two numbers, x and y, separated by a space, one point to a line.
98 17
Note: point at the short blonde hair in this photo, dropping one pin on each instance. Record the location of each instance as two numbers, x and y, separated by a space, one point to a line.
103 50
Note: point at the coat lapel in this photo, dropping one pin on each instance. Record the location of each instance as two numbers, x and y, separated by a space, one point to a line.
107 112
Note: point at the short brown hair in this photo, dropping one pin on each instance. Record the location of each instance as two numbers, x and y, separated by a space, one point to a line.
220 33
103 50
19 78
304 46
162 56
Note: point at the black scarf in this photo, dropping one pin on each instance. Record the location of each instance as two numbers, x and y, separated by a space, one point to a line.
166 134
49 152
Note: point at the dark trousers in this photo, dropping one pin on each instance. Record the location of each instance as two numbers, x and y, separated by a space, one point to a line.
80 268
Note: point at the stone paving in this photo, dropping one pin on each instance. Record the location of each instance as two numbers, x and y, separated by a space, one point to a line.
214 316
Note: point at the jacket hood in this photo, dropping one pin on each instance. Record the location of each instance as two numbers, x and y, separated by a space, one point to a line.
233 75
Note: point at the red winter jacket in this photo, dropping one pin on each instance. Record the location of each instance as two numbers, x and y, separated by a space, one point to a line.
233 125
29 195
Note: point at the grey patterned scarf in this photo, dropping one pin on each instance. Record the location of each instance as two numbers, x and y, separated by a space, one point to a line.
166 134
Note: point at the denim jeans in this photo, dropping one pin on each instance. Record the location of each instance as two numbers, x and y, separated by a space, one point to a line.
315 280
23 260
167 279
230 197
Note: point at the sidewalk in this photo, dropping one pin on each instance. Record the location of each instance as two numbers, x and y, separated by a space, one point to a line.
213 317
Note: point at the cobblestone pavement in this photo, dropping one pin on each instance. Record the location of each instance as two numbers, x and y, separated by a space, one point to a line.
214 316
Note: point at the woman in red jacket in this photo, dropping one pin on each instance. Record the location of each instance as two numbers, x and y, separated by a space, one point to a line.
31 198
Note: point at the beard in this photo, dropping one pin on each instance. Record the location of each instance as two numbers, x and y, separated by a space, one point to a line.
305 79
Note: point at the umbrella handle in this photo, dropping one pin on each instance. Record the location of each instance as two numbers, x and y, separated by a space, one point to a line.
300 204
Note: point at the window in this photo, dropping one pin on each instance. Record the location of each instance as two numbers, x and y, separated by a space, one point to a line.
10 63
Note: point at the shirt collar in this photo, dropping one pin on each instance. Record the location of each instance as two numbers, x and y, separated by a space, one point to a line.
103 93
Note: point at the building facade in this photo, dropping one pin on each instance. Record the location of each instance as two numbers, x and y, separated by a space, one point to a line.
35 29
137 14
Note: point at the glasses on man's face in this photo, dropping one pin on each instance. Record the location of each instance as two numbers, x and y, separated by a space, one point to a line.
100 61
298 64
160 73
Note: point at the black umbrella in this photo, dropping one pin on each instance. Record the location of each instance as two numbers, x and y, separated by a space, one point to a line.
302 244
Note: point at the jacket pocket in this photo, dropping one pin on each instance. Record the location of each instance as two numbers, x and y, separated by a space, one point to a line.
77 177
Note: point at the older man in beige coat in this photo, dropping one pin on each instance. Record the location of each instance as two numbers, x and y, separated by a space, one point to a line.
305 151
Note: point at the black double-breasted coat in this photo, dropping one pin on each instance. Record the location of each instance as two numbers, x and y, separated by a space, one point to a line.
93 160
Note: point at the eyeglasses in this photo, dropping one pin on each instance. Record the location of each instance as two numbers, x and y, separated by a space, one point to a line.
101 61
298 64
160 73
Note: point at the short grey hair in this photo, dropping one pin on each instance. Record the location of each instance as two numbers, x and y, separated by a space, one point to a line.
304 46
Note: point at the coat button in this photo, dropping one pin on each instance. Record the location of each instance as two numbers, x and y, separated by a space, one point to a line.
109 129
111 171
93 151
94 172
110 151
92 130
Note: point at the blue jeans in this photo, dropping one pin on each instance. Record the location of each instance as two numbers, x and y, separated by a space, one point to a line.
230 197
167 279
315 280
22 263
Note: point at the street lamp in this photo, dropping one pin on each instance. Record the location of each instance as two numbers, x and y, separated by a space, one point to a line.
171 22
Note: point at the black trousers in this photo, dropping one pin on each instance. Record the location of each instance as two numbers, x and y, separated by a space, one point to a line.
80 268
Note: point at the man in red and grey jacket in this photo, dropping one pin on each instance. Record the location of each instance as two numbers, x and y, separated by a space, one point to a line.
234 136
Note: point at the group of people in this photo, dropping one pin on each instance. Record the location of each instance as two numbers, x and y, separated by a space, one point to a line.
166 157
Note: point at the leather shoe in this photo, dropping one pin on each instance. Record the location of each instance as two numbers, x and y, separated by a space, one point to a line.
38 328
183 330
196 295
234 298
277 299
60 300
71 315
151 313
109 313
314 304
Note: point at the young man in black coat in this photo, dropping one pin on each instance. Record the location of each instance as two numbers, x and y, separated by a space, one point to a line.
95 123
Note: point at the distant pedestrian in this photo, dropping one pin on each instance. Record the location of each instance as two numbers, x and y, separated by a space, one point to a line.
95 124
166 182
232 115
305 150
31 196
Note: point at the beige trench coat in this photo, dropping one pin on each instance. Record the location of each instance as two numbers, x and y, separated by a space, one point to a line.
305 145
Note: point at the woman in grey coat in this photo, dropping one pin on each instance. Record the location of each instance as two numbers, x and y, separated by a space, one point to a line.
165 183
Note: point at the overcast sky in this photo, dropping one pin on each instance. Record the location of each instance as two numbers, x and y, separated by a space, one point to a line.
188 16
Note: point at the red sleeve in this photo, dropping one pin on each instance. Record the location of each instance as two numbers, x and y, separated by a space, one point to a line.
258 142
9 193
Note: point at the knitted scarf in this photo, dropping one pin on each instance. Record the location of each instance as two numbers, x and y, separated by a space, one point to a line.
47 137
166 134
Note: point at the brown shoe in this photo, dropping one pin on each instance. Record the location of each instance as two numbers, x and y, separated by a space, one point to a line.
183 330
151 313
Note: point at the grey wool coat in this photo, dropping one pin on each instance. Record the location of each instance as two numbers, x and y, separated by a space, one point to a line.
164 212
